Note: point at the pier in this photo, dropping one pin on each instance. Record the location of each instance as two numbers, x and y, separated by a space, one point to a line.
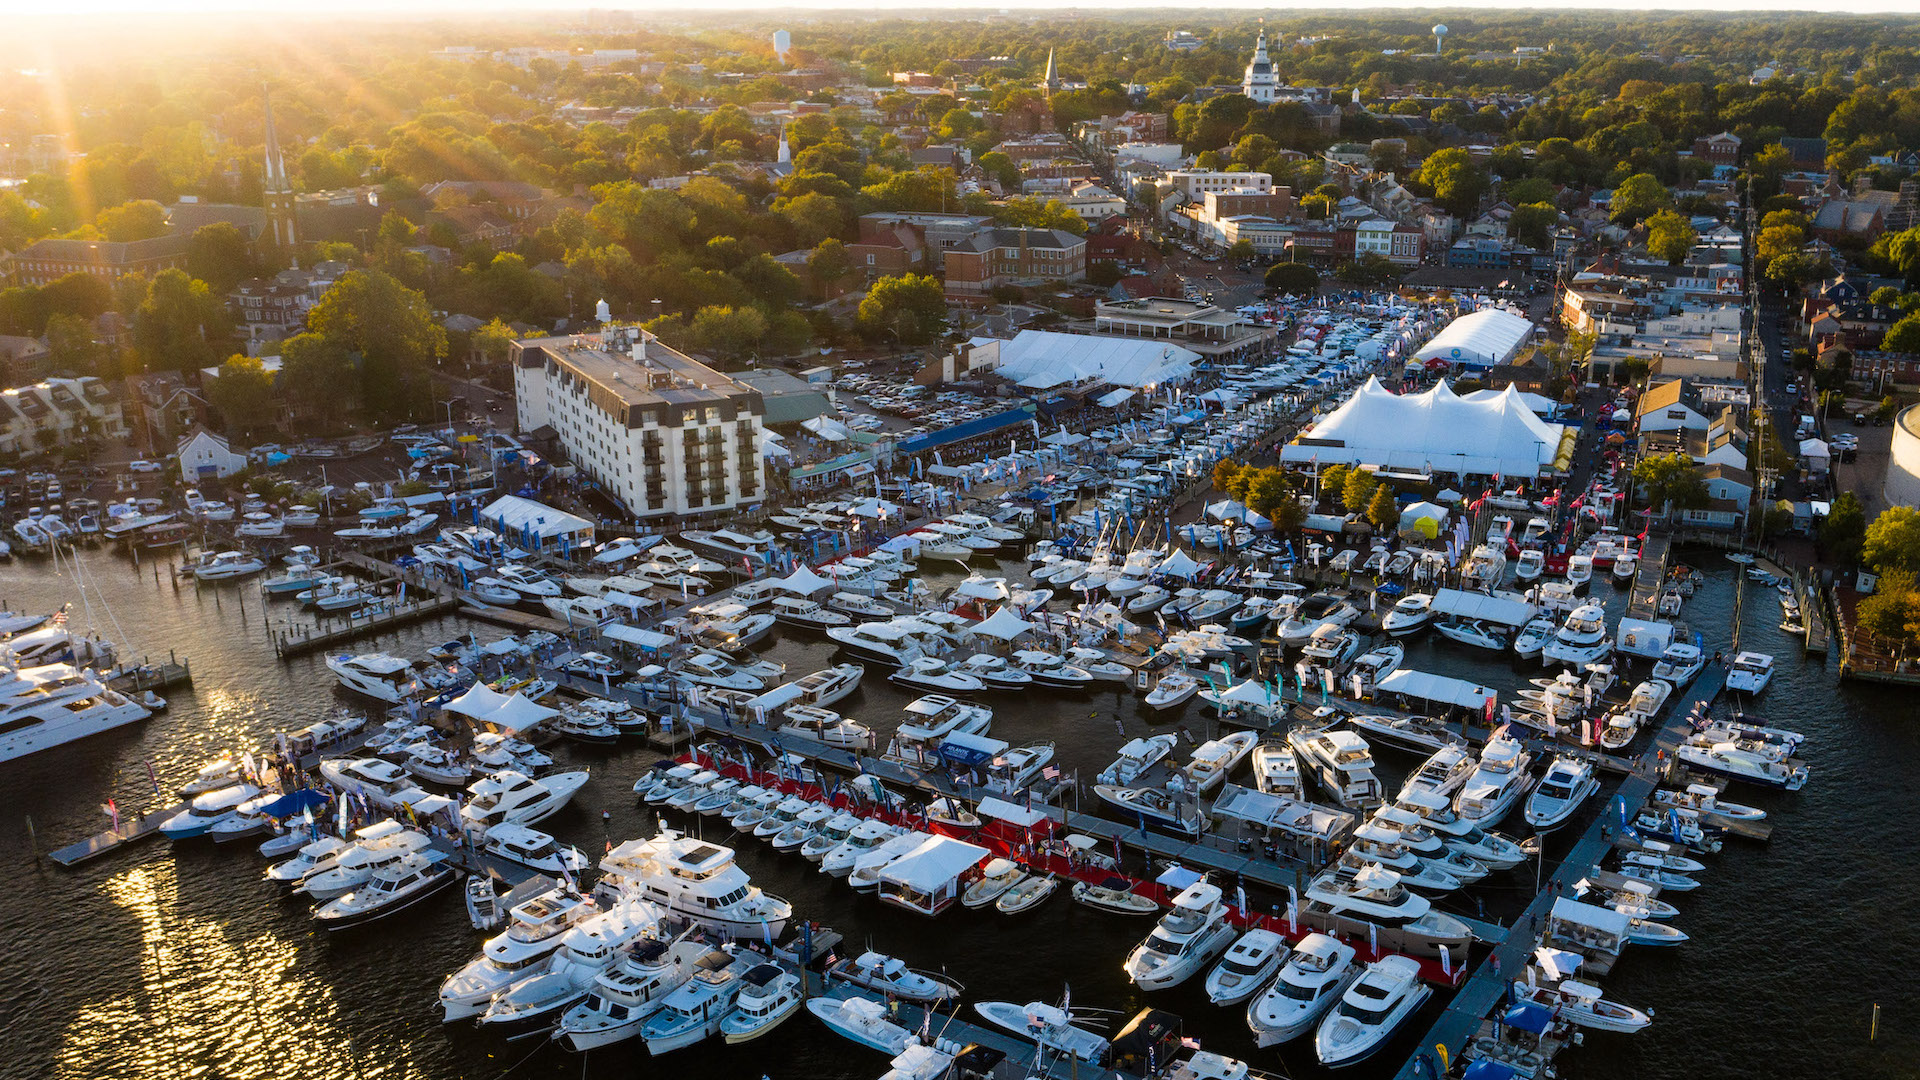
1486 987
132 830
290 642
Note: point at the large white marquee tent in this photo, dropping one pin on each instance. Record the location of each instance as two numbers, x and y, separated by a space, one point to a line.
1484 338
1039 359
1434 432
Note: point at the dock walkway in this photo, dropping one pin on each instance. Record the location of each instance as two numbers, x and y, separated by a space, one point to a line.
131 831
1487 986
290 641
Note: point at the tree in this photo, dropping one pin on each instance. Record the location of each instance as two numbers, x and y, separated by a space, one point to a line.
1457 180
1670 482
217 255
143 219
1293 279
1333 480
175 325
1532 224
1903 336
1844 529
1637 197
1382 510
727 332
829 264
243 393
493 343
1890 613
1357 491
318 378
911 309
391 328
1892 542
1670 236
1001 168
1270 493
72 347
1224 471
1241 251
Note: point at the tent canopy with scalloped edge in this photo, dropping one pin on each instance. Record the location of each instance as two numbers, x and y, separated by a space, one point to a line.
1435 431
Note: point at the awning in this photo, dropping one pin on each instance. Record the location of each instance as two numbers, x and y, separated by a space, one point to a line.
1065 438
1179 877
1437 688
649 640
1011 812
1112 398
479 702
1529 1017
936 863
1477 605
1003 624
803 582
520 713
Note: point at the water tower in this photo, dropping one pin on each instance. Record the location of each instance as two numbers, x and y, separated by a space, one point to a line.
782 41
1439 38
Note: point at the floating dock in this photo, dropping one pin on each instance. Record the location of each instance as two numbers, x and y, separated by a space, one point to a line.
290 642
131 831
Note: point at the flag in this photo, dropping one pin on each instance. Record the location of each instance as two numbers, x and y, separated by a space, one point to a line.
1189 1042
1446 961
113 811
1373 938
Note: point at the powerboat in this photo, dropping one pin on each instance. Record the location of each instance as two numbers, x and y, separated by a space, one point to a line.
826 726
996 877
1275 770
1579 570
1581 640
628 993
1136 757
1529 565
1317 972
587 949
207 811
1490 793
227 565
1569 781
1421 734
1155 806
1246 967
392 888
694 1010
1313 613
534 849
1052 670
535 928
377 675
696 881
887 975
1185 941
995 672
862 1020
43 705
1382 998
1679 664
864 838
1472 632
509 795
381 844
1730 760
1533 637
1750 673
1215 758
1341 762
769 994
1027 895
313 856
1347 899
1048 1026
1581 1003
1458 835
1172 690
1115 896
938 676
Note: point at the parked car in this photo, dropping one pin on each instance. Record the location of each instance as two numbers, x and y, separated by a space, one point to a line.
144 466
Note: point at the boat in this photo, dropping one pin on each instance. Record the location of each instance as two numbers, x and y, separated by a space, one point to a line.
1642 931
392 888
1382 998
995 672
535 928
313 856
1579 570
534 849
1704 800
1275 770
1115 895
1185 941
864 838
825 726
1215 758
1660 856
1347 899
1529 565
699 882
1155 806
883 642
43 705
1247 966
377 675
1533 637
828 685
1472 632
623 997
886 975
694 1010
1569 781
938 676
587 949
1341 762
1750 672
862 1020
1421 734
1052 670
1316 974
1581 639
1027 894
379 844
1048 1026
208 810
1408 615
1496 785
483 902
226 566
996 877
1581 1003
1316 611
1731 760
510 795
1136 757
1667 880
769 994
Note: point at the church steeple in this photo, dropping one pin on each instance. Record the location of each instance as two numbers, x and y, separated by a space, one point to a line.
1259 83
1052 82
276 189
786 152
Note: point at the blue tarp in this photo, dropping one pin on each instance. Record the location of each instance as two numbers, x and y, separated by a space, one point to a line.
985 425
291 804
1529 1018
1485 1069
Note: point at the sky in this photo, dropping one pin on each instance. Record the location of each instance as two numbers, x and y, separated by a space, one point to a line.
402 8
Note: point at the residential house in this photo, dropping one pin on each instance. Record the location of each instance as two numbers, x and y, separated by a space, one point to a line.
59 412
1667 407
204 455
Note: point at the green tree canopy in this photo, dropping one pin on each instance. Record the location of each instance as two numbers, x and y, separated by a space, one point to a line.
243 393
1294 279
1892 542
178 322
910 309
142 219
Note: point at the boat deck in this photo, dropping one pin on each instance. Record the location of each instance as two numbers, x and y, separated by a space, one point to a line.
1487 987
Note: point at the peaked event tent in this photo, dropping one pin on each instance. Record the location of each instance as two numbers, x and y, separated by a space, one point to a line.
1003 624
1180 565
1437 431
1424 518
1480 339
803 582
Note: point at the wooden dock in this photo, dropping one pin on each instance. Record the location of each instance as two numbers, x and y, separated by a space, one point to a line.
290 641
131 831
514 620
1486 987
153 677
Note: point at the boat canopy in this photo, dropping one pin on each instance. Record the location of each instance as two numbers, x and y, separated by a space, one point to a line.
1438 688
803 582
1306 821
1478 605
1004 624
1011 813
935 864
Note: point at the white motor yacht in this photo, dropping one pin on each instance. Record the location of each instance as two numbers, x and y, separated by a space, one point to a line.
311 857
887 975
1342 763
377 675
1275 769
1443 772
380 844
1750 672
1581 640
1172 690
227 565
1382 998
1569 781
392 888
587 949
828 685
1581 1003
1496 786
1679 664
1529 565
1579 570
51 704
207 811
628 993
1474 633
1047 1026
1313 613
1136 757
1248 964
1436 812
534 849
1215 758
699 882
938 676
509 795
1185 941
884 642
865 837
1533 637
1733 761
535 928
826 726
693 1011
1317 972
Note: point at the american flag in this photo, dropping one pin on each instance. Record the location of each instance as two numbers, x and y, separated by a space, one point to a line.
1050 773
60 617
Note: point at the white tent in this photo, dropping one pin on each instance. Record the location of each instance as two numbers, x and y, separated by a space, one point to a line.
1064 438
803 582
535 524
1113 398
1540 404
479 702
1436 688
1180 565
1412 516
1433 431
1249 692
520 713
1816 452
1469 604
1482 339
1004 624
1038 359
648 640
827 428
871 507
939 861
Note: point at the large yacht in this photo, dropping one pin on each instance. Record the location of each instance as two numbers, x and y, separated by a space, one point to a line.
697 881
513 796
1370 1010
46 706
1443 773
1750 672
1581 640
1319 971
885 642
377 675
628 993
1496 786
1185 941
1342 763
1347 900
534 930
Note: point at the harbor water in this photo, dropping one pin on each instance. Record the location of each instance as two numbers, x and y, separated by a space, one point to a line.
158 962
